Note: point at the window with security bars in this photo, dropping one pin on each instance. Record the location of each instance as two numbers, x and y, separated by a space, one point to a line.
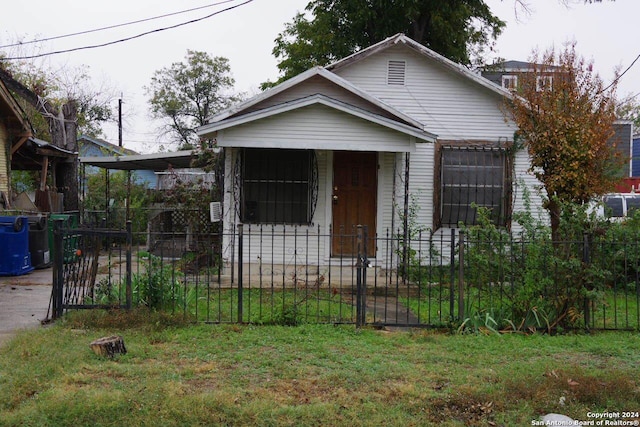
472 177
277 186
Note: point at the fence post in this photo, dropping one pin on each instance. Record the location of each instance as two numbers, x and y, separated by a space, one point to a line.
129 292
452 275
585 264
240 272
461 278
361 276
58 267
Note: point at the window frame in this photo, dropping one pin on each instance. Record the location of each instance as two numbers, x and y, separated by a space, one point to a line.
548 82
512 78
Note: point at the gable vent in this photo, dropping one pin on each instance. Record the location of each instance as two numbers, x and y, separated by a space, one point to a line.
396 72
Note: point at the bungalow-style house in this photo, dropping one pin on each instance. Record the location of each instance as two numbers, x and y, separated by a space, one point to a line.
357 141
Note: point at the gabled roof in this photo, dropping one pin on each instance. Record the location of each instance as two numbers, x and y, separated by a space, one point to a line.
424 51
111 148
316 71
317 99
8 104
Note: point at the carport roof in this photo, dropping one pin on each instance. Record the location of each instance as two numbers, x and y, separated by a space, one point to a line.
154 162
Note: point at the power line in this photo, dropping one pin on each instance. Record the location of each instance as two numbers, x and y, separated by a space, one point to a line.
620 76
157 30
114 26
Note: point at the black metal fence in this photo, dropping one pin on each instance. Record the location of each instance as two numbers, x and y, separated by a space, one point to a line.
293 275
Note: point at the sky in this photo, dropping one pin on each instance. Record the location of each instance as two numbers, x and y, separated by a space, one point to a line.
604 33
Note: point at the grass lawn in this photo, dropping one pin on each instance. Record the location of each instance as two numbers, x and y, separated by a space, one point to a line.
184 375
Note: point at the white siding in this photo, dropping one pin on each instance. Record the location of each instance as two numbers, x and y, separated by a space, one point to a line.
315 126
288 251
449 105
284 248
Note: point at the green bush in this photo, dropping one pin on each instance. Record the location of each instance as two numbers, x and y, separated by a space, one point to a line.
158 286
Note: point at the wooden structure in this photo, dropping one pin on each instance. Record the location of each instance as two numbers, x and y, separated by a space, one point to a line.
57 159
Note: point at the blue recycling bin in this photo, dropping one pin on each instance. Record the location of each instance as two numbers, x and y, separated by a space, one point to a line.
15 258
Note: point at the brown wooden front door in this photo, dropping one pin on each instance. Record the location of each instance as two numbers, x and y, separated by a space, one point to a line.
354 200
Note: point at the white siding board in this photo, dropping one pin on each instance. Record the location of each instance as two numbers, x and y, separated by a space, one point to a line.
421 185
316 126
449 105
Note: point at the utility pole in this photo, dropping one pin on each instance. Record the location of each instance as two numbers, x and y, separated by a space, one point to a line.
120 121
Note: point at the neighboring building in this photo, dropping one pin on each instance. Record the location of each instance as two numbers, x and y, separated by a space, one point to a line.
630 144
329 149
623 140
95 147
20 150
14 131
635 156
511 74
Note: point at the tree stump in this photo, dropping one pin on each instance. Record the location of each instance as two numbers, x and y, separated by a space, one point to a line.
108 346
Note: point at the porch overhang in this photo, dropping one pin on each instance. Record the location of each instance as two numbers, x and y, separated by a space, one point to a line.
410 147
154 162
409 135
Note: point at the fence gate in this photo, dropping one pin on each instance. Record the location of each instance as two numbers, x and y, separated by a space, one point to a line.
76 267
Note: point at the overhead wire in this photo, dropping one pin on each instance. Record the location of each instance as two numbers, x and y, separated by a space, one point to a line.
620 76
110 27
157 30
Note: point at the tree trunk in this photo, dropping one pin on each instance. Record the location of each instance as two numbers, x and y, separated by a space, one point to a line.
554 213
64 130
108 346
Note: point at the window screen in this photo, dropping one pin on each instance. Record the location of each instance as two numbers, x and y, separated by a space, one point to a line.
276 186
472 176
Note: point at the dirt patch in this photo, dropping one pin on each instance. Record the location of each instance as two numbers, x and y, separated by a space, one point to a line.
24 301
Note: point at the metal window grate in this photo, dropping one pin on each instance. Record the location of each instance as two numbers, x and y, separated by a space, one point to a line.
472 177
277 186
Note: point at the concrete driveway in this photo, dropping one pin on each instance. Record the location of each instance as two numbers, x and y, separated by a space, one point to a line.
24 301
